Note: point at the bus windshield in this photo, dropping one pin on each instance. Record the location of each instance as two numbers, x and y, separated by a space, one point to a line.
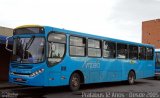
28 50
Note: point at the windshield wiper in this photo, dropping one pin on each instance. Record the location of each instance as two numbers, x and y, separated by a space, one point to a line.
29 43
27 46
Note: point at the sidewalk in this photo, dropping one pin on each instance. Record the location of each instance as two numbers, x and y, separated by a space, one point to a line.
7 85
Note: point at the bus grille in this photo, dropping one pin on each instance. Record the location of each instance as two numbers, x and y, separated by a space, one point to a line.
22 66
21 74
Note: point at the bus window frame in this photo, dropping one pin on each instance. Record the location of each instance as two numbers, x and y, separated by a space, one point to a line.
114 49
139 52
101 47
127 51
45 49
65 46
85 52
147 53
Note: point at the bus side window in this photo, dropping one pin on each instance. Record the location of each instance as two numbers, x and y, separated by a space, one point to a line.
77 46
122 51
56 48
142 53
149 53
133 52
109 49
94 48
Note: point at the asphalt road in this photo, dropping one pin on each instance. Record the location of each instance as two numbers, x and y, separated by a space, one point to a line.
142 88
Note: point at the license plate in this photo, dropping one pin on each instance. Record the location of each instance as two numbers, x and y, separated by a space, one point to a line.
19 79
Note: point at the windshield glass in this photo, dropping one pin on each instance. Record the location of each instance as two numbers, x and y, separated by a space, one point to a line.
28 50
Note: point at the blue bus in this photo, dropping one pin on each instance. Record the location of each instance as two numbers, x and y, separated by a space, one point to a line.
49 56
157 67
4 57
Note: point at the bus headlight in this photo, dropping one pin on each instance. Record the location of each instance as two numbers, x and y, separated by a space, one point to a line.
36 72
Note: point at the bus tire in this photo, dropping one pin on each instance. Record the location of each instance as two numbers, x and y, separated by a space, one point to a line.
131 78
74 82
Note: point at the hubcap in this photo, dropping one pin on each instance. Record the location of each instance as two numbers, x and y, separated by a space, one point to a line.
131 78
75 81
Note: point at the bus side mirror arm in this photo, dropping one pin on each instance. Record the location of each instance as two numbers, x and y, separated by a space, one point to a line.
7 39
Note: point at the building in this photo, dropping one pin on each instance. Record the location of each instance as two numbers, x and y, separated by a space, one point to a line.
151 32
4 54
6 31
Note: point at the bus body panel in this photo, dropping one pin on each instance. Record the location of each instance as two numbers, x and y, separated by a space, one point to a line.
157 67
26 79
94 70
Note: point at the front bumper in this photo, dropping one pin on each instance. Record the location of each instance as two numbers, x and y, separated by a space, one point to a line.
27 80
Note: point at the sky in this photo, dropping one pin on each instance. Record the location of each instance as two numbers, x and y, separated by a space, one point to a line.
120 19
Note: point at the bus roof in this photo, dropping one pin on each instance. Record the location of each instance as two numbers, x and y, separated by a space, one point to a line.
96 37
85 35
27 26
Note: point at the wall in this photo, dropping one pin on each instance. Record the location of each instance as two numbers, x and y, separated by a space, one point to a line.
151 32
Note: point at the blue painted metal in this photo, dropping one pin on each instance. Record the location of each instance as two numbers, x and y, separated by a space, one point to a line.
3 40
157 67
94 70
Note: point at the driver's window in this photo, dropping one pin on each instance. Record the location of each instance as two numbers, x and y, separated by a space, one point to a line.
56 47
56 50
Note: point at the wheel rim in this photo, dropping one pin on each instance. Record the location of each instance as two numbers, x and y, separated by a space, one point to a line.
131 78
75 81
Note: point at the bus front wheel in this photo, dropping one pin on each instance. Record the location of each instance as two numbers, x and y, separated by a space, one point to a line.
74 82
131 78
